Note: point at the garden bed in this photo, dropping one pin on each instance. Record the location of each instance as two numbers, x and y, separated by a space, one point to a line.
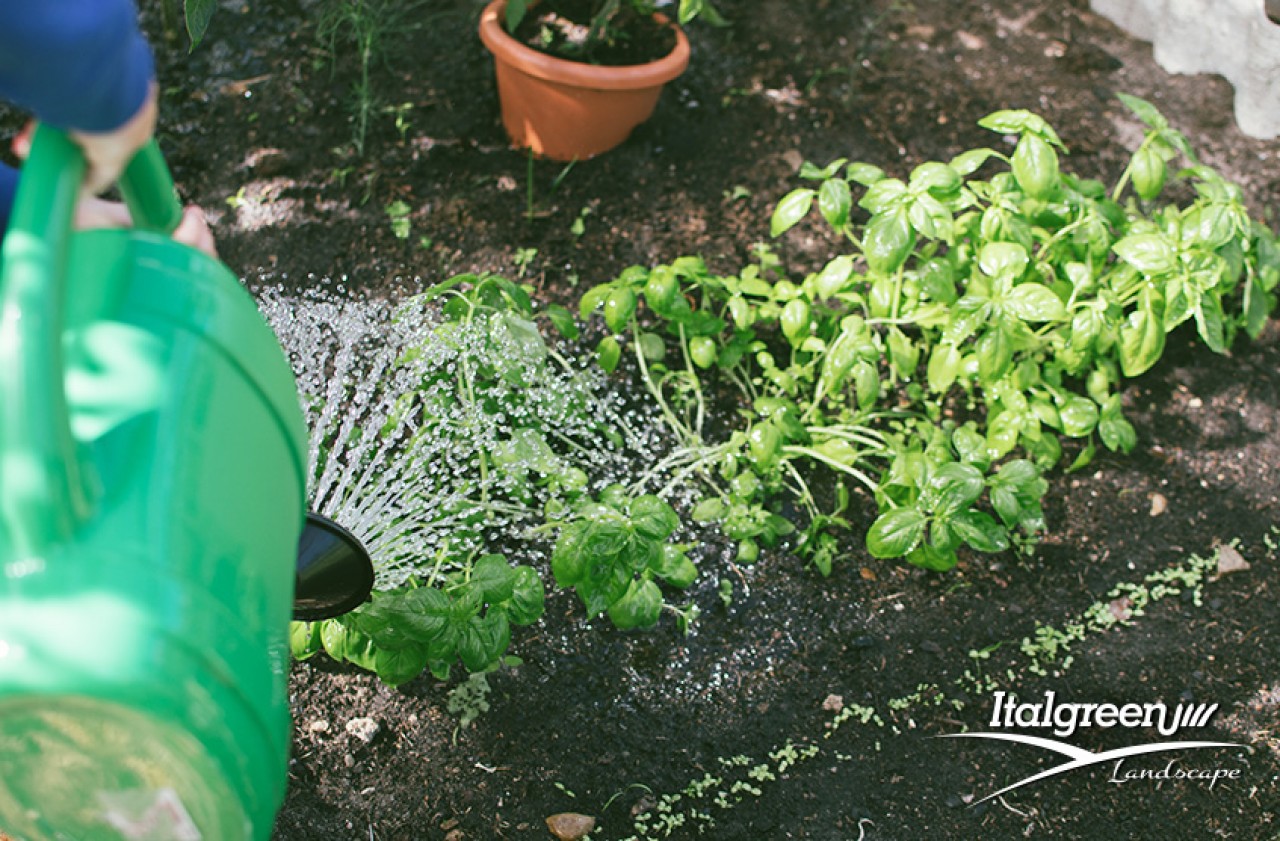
801 706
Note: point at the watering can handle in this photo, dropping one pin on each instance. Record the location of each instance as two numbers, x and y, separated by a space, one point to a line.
45 489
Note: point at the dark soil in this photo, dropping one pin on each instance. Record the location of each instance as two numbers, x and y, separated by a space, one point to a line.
626 38
257 126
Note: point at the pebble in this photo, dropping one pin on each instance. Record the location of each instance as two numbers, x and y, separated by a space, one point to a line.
364 729
1159 504
319 726
570 826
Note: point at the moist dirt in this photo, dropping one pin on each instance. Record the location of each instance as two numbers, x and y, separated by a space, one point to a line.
770 688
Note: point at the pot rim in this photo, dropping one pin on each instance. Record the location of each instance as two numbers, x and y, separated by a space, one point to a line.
579 74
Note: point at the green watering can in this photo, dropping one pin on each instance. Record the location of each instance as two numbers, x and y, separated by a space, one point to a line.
153 472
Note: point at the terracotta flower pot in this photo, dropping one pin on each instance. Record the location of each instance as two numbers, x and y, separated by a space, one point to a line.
567 110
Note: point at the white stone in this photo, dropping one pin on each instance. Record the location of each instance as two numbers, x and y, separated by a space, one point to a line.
1230 37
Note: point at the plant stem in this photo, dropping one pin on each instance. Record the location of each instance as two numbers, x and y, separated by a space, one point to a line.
866 480
697 383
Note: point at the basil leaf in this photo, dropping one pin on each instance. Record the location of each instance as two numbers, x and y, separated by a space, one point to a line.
835 202
980 531
793 207
1148 253
495 578
1033 302
944 366
895 533
609 354
653 518
638 608
1141 339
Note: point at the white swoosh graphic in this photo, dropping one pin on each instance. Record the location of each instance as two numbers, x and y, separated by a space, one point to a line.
1081 758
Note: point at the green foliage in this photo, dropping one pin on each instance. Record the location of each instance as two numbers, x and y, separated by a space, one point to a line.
367 28
613 552
973 333
467 616
508 430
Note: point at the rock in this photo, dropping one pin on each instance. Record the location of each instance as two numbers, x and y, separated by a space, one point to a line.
1230 560
793 159
364 729
1159 504
570 826
833 703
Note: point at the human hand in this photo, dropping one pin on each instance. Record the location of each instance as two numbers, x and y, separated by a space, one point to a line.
193 230
106 154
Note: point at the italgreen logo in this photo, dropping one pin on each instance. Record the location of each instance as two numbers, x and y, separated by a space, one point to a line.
1065 718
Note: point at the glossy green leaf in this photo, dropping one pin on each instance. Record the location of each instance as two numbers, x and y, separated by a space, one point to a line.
638 608
980 531
835 201
1210 323
944 366
708 510
495 578
957 486
1148 253
395 668
903 354
1141 339
304 639
887 241
608 354
1003 258
896 532
864 174
563 321
1035 166
995 354
1148 171
793 207
528 597
593 298
1114 429
886 194
1079 416
834 275
928 557
653 518
1033 302
967 163
1144 110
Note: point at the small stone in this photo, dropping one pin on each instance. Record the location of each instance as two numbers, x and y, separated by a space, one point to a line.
1159 504
506 184
833 703
794 159
970 41
364 729
570 826
1121 608
318 726
1230 560
1195 402
455 835
348 760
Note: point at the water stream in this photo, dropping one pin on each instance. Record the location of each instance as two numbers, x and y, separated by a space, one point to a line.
409 416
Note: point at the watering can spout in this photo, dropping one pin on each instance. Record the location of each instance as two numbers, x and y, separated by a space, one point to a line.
334 574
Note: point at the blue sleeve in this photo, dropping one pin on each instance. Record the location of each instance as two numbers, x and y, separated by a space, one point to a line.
8 186
75 64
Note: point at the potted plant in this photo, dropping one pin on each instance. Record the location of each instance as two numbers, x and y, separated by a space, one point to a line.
569 80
